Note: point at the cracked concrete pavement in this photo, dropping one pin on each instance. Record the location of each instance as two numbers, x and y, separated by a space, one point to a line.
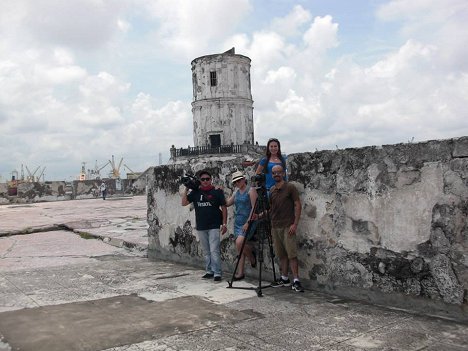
61 289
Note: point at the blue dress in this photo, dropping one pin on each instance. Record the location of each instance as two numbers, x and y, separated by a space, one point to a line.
242 211
269 181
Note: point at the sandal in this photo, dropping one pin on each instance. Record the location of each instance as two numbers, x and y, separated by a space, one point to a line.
254 263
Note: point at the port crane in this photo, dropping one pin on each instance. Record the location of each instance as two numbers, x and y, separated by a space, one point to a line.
115 173
32 176
95 173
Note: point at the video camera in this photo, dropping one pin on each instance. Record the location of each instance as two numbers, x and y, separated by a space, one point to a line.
190 182
259 179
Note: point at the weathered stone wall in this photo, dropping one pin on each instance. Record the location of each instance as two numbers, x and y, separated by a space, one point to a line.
138 186
171 226
87 189
4 194
60 190
42 191
36 192
390 219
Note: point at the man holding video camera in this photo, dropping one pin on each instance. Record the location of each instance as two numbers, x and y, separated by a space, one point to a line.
285 211
210 218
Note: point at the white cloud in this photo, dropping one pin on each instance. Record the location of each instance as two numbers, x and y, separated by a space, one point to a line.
189 28
282 73
440 23
291 23
123 25
266 49
412 92
84 24
69 95
419 13
103 84
321 35
60 75
412 56
169 123
286 77
403 95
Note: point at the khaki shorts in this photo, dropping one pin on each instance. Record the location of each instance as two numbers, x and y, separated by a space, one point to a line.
284 244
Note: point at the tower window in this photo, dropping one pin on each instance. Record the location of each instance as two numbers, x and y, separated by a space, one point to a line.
194 84
213 80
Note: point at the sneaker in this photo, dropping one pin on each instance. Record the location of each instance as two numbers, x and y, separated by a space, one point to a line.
297 286
208 276
217 278
281 282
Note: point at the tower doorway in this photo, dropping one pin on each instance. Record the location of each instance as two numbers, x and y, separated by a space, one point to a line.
215 140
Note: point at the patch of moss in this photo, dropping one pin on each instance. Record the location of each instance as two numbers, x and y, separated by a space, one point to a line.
85 235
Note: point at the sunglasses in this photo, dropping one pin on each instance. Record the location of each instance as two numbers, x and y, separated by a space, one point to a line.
273 139
205 179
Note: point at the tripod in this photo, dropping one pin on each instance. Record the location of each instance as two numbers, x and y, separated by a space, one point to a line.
263 233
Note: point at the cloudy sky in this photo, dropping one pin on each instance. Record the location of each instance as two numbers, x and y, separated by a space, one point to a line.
83 80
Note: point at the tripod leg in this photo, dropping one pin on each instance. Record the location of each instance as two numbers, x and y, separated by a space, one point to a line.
261 258
239 256
249 227
258 290
263 230
272 252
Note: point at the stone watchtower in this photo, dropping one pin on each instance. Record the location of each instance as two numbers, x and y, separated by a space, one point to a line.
222 104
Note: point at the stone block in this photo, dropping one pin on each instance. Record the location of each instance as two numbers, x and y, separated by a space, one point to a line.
460 147
445 280
3 189
439 242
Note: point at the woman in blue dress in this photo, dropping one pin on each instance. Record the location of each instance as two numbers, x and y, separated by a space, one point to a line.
273 158
243 199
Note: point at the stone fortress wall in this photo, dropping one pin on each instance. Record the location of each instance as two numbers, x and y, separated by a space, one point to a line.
28 192
385 224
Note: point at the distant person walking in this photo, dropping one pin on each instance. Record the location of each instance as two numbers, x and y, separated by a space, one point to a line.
103 189
273 158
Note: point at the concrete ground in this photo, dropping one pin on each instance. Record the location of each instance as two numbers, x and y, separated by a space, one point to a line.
62 289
